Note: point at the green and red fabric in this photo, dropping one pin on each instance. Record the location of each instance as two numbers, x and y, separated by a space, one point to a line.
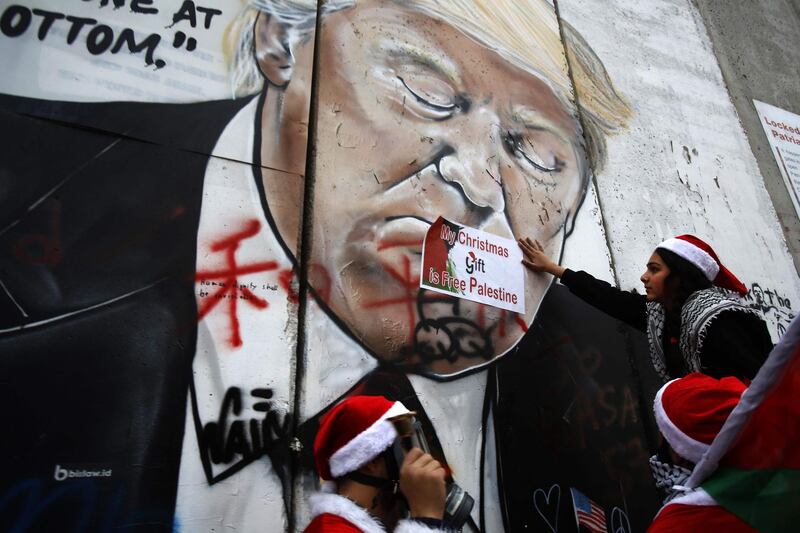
436 253
758 477
751 467
696 518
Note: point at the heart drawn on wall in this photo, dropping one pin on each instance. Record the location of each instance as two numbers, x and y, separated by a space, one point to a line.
546 504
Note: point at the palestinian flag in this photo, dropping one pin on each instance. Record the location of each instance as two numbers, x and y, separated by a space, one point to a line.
752 468
436 255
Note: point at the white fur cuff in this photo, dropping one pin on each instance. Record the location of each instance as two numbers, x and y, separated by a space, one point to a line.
412 526
320 503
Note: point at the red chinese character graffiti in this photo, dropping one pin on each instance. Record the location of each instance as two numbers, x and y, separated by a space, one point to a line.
230 289
410 284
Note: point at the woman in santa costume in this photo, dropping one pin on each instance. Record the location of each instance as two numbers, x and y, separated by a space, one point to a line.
359 492
689 412
692 311
730 459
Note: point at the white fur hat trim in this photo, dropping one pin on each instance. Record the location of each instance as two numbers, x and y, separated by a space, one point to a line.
367 444
696 256
683 444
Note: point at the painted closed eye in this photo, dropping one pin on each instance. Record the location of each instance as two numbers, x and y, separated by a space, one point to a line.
524 148
436 99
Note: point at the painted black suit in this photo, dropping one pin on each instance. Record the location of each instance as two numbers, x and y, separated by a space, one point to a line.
99 208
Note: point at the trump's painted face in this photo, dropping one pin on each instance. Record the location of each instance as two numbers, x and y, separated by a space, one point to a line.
416 120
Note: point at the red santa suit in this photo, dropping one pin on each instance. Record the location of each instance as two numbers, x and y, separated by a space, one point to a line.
745 443
336 514
697 512
350 435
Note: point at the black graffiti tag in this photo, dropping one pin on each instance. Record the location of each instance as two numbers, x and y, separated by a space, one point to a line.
245 440
775 308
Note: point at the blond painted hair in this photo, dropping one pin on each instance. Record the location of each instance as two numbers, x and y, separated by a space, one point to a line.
525 33
299 16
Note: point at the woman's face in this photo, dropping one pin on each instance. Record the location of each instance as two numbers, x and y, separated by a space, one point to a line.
655 279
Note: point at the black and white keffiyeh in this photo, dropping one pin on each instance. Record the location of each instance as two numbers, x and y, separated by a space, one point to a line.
697 313
669 478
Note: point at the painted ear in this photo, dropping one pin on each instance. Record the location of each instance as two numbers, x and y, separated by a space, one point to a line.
272 50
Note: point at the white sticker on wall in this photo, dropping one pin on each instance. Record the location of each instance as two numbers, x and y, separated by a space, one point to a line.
783 133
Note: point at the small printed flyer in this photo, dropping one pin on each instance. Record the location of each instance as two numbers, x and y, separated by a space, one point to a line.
473 264
783 133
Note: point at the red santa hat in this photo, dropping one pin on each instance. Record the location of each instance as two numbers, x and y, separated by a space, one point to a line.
353 433
691 410
701 255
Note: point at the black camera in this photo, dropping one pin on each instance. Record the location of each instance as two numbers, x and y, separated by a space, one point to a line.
458 503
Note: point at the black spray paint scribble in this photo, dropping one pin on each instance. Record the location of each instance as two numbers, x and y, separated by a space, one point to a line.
775 308
448 337
226 441
235 440
98 38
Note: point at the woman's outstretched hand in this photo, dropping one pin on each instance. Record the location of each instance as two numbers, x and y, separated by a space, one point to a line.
536 260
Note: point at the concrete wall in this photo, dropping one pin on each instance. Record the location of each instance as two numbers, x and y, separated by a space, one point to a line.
685 164
210 231
756 44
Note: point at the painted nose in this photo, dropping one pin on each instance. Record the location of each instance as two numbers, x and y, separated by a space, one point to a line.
474 163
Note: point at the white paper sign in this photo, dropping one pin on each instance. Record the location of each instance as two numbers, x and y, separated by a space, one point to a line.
783 132
473 264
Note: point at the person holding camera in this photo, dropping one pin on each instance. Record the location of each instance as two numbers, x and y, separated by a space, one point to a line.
366 488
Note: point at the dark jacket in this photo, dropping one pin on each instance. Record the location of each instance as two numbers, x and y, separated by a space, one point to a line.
735 344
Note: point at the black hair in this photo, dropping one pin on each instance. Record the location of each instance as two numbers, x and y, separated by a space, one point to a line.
683 279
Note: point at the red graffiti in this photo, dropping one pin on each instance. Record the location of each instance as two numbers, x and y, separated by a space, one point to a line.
411 243
230 289
517 319
285 278
501 326
320 280
409 299
410 285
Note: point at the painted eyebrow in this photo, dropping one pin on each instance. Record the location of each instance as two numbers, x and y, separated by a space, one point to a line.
422 58
533 119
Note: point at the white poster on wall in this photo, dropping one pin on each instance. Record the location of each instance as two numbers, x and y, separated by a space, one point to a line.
783 132
472 264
